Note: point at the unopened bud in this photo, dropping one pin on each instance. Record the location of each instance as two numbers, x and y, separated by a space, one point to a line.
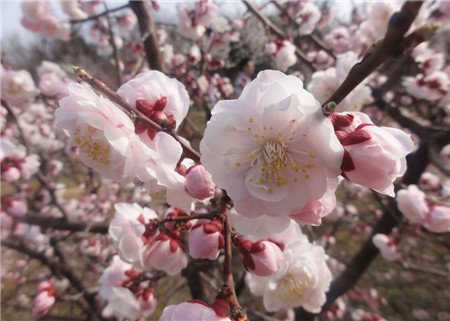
199 183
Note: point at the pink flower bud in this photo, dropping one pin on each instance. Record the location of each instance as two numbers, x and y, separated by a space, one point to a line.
45 286
438 219
166 253
147 301
373 156
11 174
387 246
192 310
270 48
42 304
206 240
199 183
411 202
262 258
15 207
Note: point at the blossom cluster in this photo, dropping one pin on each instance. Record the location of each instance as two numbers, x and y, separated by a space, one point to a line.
272 159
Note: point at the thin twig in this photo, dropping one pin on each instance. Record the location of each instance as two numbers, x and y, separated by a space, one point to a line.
113 45
391 46
99 15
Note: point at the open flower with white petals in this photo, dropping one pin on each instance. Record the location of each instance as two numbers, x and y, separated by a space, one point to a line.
272 149
302 280
103 134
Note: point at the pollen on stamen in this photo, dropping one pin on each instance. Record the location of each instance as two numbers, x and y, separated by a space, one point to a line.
252 156
292 120
307 176
265 127
310 154
238 164
256 136
295 179
250 180
270 191
251 120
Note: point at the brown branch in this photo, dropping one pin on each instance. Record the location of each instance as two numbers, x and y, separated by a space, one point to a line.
113 45
421 269
19 128
99 15
58 223
390 47
135 114
59 269
266 22
147 27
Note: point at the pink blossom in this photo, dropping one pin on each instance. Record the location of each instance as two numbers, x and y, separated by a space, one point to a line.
147 302
127 230
18 87
387 246
374 156
73 10
10 174
238 24
206 240
438 219
270 48
186 24
33 12
52 27
285 56
90 6
431 87
42 304
29 166
166 253
302 280
198 182
429 61
325 82
122 302
52 85
103 134
309 16
273 117
338 39
191 310
14 207
55 167
160 92
127 21
412 203
262 258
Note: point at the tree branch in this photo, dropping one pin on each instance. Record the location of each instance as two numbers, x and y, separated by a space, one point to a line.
147 27
58 223
391 46
58 268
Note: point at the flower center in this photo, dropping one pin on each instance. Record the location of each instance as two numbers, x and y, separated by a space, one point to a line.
274 162
292 288
95 150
